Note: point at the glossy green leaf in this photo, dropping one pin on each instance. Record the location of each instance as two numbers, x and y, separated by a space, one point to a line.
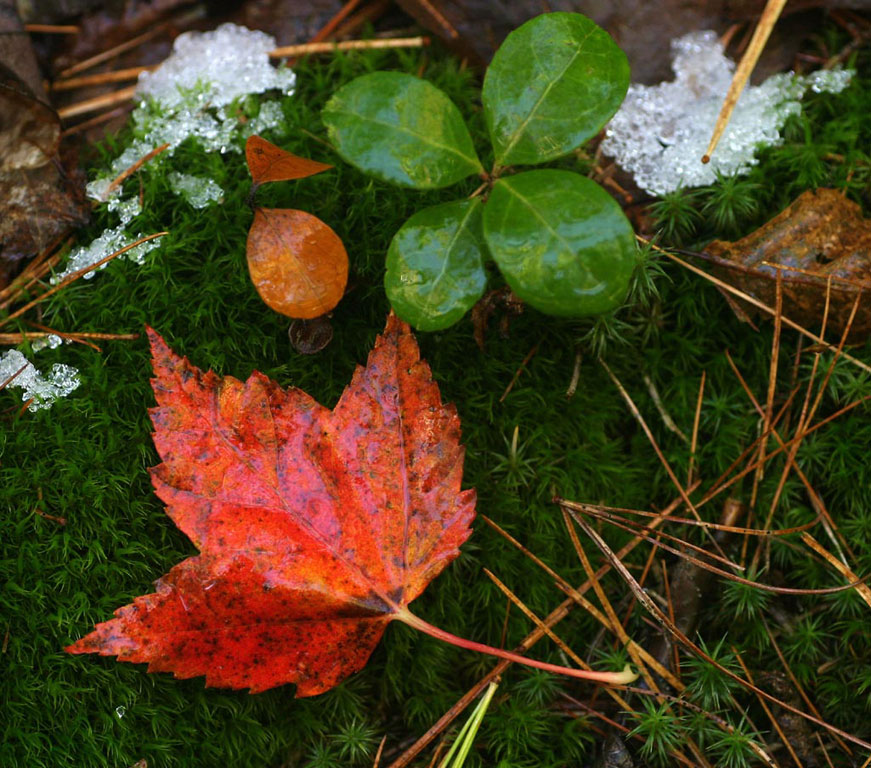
435 271
562 243
552 84
401 129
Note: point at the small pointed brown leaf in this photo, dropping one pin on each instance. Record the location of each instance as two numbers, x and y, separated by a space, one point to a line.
297 263
270 163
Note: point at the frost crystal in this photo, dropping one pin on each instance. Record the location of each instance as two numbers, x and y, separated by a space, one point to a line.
110 241
200 192
188 96
99 189
126 209
661 132
43 390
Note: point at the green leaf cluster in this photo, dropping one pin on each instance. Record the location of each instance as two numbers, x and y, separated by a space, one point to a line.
561 243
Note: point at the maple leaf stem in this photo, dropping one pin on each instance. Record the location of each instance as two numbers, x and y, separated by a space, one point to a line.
613 678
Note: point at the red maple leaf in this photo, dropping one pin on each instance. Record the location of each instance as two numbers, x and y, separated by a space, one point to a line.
315 527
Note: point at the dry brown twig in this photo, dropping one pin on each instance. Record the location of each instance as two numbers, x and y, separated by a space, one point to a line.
772 385
110 53
660 407
802 419
659 454
798 686
723 484
807 416
764 704
769 17
664 622
583 603
101 78
568 651
859 584
128 172
52 29
632 528
12 339
7 382
123 95
520 369
37 268
823 512
694 441
303 49
112 99
103 117
377 761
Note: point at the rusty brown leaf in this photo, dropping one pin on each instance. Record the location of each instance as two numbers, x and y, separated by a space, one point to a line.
297 263
821 244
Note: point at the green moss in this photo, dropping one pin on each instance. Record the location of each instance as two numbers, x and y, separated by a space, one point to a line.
88 457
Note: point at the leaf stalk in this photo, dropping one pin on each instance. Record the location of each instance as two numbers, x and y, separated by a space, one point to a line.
625 677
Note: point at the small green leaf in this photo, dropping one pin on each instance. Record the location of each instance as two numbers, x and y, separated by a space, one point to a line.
562 243
552 84
401 129
435 271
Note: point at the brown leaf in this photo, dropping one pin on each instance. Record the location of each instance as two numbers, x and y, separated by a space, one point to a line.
270 163
820 235
40 198
297 263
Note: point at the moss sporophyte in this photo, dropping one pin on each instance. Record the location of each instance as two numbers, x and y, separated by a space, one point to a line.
562 243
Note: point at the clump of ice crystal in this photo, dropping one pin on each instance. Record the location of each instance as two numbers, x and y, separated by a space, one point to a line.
661 132
42 390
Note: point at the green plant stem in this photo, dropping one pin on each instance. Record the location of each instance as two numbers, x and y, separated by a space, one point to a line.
613 678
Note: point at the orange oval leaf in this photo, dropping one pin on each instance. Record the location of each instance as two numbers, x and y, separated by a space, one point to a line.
297 263
270 163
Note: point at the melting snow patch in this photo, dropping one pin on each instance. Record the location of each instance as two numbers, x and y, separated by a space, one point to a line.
187 97
188 94
110 241
52 341
661 132
199 191
230 61
43 390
